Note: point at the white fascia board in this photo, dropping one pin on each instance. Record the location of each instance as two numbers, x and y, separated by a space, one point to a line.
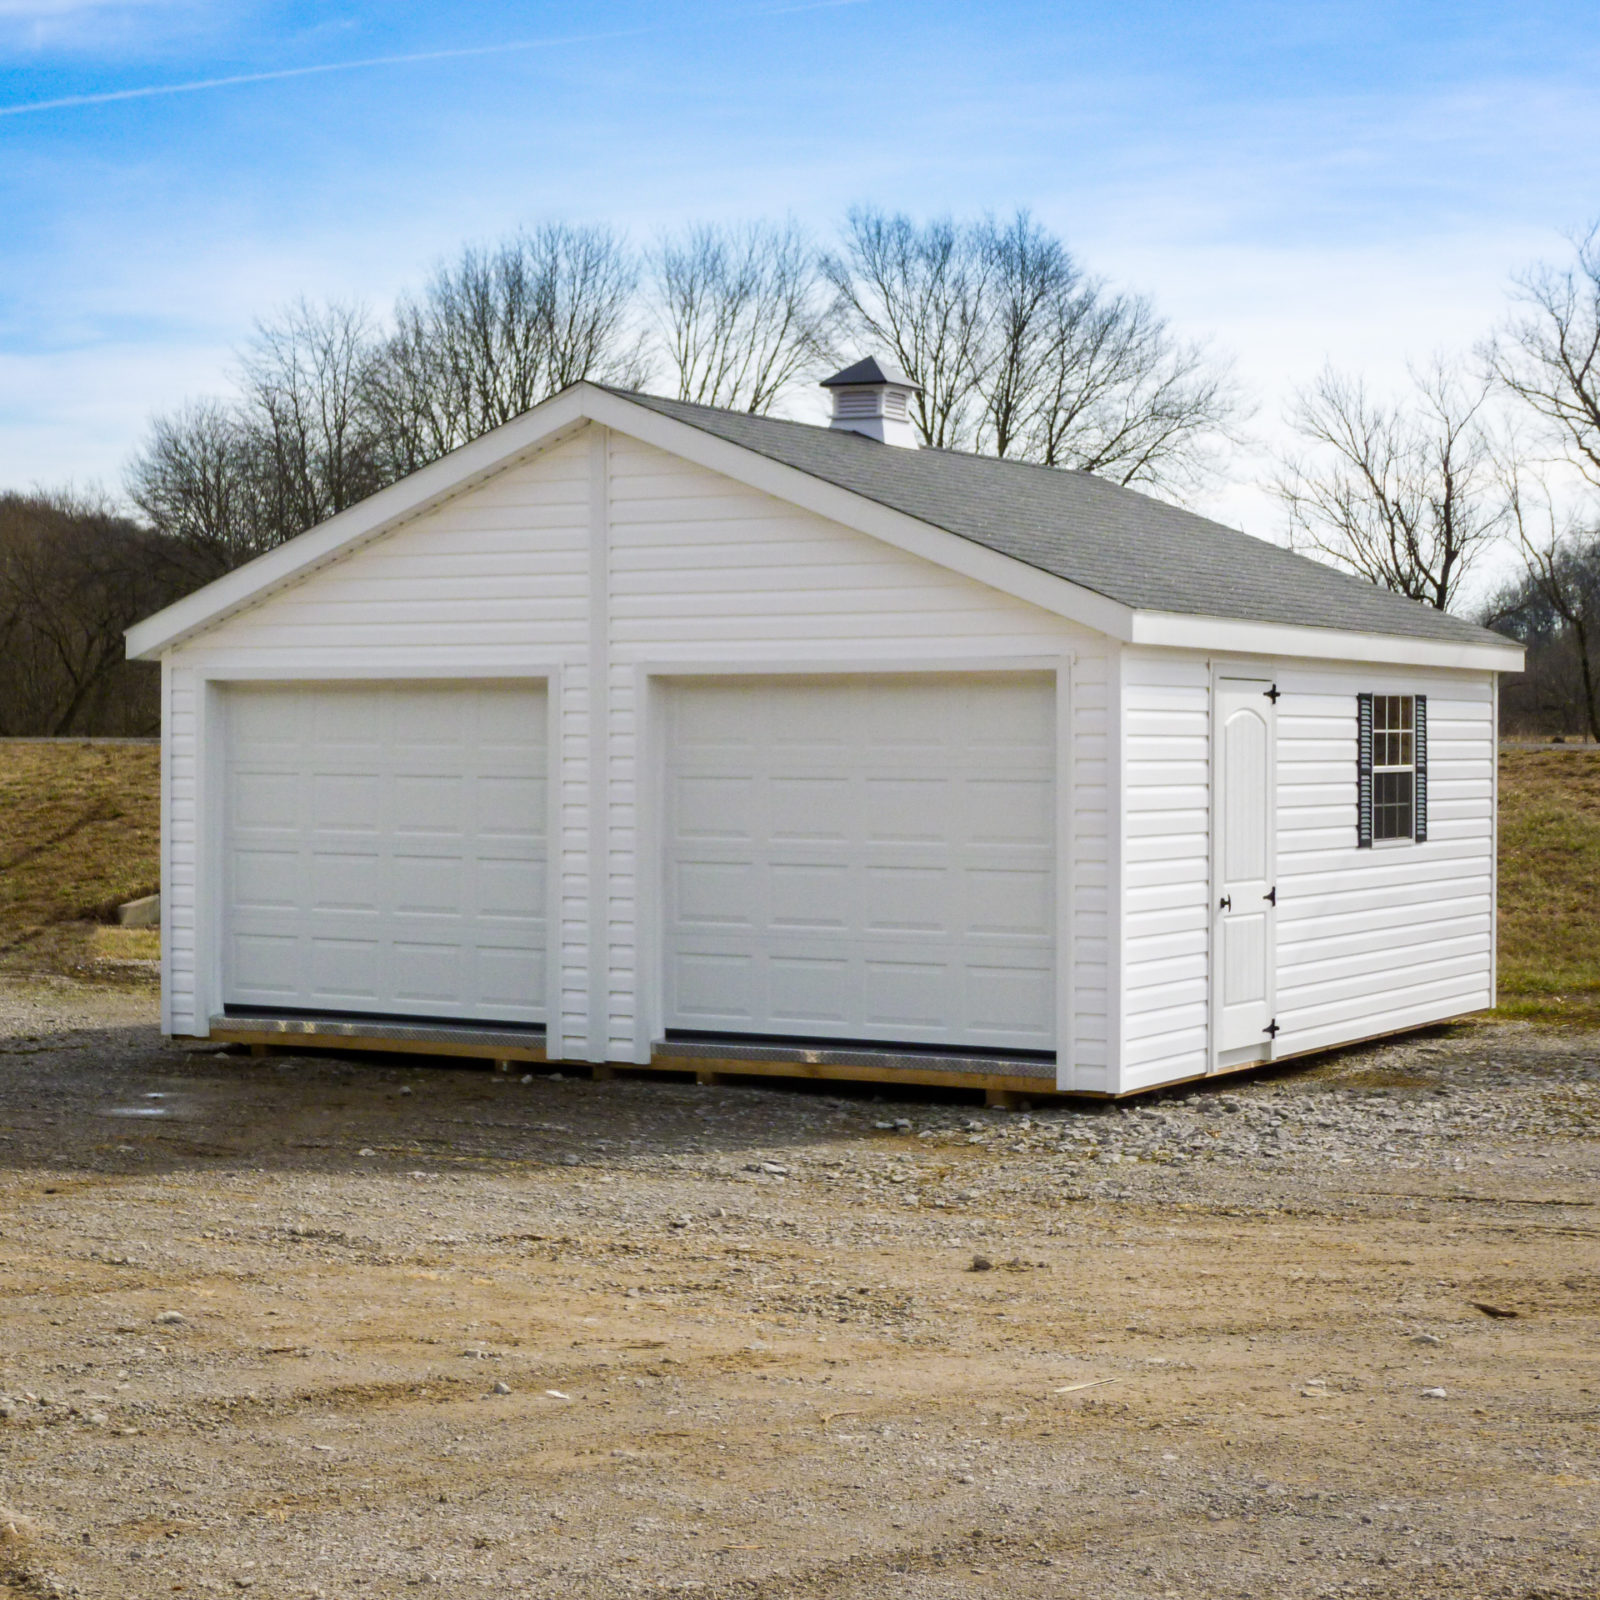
1173 631
789 484
413 496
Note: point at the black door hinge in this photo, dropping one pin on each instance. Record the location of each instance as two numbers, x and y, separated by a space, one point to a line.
1271 896
1271 1029
1272 694
1225 903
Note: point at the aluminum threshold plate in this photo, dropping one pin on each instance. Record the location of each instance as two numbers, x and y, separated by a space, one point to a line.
900 1061
376 1028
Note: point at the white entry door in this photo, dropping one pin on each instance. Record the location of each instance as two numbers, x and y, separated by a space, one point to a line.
1246 893
384 849
862 858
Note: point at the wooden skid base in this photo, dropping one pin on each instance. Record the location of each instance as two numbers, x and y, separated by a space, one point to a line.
1000 1089
264 1043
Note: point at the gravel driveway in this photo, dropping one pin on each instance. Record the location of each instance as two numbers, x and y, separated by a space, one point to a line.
321 1327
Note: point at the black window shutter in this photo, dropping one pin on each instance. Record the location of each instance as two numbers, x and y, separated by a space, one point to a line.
1364 771
1420 749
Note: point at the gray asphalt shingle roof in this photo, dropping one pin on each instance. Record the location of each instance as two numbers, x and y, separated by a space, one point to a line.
1127 546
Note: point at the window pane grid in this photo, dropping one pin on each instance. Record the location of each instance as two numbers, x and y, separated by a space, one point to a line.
1392 794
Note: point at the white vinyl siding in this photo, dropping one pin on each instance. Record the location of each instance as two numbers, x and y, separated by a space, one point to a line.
1166 875
1367 941
1374 940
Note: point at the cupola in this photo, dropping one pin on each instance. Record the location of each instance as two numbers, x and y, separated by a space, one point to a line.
874 397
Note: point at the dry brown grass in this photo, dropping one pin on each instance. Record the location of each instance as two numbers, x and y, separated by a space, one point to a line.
81 834
1550 884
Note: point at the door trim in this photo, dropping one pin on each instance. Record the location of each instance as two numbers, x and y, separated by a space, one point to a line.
1218 1060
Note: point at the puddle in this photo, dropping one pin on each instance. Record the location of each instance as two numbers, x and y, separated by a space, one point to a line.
158 1109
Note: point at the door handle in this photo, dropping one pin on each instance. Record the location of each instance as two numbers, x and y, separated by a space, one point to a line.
1226 903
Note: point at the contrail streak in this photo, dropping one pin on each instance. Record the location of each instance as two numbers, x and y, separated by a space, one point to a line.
152 91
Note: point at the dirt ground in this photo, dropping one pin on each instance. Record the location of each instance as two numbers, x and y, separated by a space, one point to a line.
321 1327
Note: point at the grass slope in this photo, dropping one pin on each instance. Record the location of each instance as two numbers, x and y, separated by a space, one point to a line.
1550 884
81 834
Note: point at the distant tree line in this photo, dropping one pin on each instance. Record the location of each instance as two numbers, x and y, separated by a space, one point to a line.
1020 352
1500 449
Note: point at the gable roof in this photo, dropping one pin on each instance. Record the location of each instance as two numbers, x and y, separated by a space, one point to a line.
1117 561
1142 552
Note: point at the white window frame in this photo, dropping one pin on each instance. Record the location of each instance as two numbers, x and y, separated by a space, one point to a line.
1406 732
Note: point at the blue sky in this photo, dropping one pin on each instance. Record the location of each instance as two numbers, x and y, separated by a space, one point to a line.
1295 181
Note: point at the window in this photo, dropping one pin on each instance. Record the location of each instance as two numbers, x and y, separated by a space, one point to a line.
1392 771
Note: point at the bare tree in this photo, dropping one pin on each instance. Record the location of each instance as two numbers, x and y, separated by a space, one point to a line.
1404 494
1548 355
1033 287
738 310
1121 397
195 479
500 330
919 293
1554 607
308 416
1020 353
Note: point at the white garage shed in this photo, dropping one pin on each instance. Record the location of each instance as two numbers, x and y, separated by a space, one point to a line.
642 732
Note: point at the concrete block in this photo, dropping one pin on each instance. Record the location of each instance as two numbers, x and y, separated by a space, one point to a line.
142 913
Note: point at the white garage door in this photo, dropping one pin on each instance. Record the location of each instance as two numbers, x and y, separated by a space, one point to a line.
385 849
866 858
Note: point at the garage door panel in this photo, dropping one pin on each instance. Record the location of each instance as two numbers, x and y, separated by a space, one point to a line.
344 967
346 802
910 997
715 988
715 806
342 881
264 719
267 880
1013 1002
715 894
803 894
1009 901
504 806
804 807
506 890
862 858
507 975
1008 811
380 856
432 804
906 899
429 886
809 990
273 963
1001 722
910 810
266 799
